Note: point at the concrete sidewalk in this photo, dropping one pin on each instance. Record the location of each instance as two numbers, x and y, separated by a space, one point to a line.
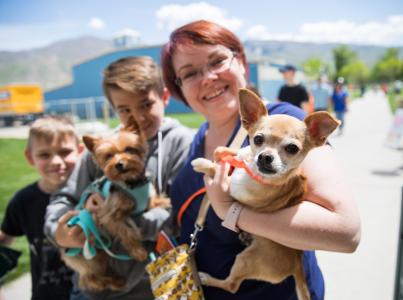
19 289
376 178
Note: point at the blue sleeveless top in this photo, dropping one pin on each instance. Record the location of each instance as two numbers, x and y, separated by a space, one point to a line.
217 246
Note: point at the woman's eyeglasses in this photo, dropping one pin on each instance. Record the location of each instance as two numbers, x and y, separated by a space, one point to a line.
193 75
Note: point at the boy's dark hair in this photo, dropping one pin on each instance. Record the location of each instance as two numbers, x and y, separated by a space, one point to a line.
137 75
51 127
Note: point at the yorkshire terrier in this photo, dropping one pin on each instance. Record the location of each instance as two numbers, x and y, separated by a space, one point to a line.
272 180
122 158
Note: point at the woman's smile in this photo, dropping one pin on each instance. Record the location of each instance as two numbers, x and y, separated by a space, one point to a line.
215 94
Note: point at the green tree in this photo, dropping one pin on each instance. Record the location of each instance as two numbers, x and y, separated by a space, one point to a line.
342 56
389 67
314 67
355 72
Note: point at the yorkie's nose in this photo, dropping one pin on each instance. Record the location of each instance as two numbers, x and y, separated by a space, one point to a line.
120 166
264 160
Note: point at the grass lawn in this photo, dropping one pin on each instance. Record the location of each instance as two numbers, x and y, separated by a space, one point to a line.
15 173
191 120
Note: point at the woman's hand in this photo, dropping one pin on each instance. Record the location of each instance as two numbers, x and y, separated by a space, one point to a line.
218 190
69 237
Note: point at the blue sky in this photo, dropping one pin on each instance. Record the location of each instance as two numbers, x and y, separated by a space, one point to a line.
26 24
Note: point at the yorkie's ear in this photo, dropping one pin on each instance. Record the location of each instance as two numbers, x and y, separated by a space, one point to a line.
251 108
90 142
132 125
320 125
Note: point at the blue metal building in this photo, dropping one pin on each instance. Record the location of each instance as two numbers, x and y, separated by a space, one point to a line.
87 80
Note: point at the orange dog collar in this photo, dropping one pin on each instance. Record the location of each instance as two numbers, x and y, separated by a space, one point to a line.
237 163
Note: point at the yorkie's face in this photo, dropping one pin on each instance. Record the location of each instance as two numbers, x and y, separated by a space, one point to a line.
121 156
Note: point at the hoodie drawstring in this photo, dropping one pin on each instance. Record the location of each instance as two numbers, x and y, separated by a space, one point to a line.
159 163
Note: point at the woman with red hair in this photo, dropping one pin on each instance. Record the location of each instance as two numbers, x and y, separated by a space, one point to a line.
204 65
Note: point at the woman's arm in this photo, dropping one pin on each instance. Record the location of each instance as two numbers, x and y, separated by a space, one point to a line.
327 220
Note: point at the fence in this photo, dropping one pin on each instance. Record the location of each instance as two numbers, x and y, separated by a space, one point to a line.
90 108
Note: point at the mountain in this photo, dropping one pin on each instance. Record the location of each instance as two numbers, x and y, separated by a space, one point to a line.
49 66
298 52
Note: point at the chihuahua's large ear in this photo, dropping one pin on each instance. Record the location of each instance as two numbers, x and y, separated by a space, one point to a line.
320 125
132 125
90 142
251 108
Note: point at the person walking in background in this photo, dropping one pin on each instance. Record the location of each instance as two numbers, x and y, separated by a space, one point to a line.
321 93
292 92
339 102
53 150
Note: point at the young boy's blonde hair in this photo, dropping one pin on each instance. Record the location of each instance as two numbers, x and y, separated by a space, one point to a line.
50 128
137 75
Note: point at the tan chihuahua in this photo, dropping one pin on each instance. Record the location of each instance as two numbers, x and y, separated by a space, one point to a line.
271 180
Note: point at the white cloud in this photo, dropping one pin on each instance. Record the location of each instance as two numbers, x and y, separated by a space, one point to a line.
387 33
172 16
96 23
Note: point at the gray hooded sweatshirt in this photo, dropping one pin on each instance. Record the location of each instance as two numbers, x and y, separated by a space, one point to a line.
173 141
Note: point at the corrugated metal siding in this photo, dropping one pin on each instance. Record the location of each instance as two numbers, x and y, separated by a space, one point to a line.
87 77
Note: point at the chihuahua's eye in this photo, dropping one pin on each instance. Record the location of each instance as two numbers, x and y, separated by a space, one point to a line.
131 150
291 149
258 139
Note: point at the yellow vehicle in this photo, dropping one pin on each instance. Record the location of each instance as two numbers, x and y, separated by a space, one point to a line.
20 102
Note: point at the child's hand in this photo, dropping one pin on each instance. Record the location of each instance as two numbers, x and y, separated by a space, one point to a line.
218 190
69 237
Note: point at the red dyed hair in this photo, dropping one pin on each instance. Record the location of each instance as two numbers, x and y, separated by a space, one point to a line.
196 33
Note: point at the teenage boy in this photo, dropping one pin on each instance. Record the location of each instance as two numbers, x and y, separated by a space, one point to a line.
52 149
134 87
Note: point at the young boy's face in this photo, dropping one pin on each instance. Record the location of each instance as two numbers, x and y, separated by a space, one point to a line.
147 109
53 160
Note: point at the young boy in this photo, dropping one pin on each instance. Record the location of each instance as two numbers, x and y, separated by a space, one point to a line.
52 149
134 87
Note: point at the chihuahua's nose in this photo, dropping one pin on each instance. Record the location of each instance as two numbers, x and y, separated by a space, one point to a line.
264 160
120 166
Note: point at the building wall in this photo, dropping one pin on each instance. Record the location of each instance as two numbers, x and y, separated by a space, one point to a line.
87 78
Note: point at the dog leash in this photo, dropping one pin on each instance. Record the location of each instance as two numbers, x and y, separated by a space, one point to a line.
86 222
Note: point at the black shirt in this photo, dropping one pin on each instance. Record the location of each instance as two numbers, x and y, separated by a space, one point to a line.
25 214
293 94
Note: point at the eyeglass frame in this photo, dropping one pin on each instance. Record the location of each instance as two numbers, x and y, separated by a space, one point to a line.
178 81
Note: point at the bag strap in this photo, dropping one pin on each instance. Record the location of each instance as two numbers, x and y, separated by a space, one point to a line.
235 144
205 204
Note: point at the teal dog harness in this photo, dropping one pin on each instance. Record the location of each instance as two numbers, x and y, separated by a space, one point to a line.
93 238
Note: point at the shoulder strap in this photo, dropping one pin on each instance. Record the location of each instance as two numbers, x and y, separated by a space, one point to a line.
235 144
239 138
205 204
